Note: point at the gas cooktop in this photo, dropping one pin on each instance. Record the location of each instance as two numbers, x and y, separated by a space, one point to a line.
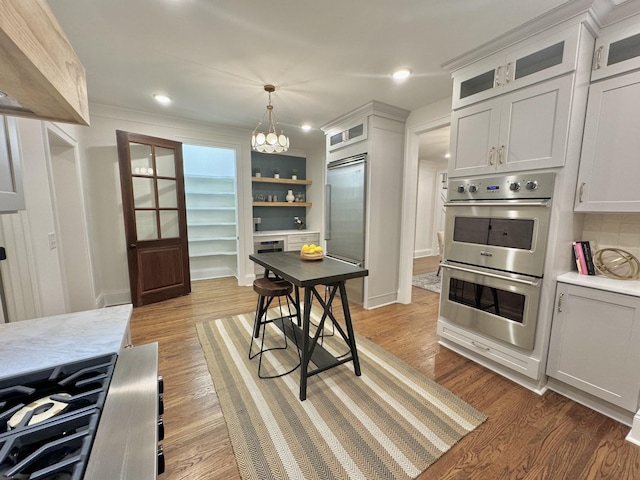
48 419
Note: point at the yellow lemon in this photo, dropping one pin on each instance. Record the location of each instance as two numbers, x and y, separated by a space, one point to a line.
312 246
318 249
305 246
305 249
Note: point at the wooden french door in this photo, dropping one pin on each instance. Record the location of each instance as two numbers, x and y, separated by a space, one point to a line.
155 220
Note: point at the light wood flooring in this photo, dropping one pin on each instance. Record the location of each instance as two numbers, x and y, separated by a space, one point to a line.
526 436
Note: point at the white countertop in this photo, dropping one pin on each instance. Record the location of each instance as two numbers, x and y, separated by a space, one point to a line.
31 345
600 282
283 232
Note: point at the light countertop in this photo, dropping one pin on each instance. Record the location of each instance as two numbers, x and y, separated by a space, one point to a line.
31 345
600 282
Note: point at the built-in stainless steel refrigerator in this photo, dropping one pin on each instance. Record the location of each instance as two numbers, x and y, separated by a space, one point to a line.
346 215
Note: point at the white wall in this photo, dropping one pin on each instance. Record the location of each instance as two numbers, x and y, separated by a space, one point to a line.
428 207
104 202
34 274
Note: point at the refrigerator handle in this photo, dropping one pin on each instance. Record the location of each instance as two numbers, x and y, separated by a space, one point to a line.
327 213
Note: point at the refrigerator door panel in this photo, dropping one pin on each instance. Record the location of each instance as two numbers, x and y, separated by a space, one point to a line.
345 223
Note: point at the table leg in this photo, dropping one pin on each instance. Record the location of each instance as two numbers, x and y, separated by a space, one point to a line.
305 343
347 321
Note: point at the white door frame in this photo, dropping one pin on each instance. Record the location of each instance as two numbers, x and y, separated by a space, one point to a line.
409 201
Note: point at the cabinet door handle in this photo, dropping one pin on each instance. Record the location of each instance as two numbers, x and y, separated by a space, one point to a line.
598 57
500 154
581 192
560 302
507 73
492 152
497 79
478 345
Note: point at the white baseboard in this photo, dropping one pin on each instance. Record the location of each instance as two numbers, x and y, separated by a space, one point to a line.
113 298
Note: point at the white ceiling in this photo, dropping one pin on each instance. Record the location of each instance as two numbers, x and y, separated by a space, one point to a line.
325 58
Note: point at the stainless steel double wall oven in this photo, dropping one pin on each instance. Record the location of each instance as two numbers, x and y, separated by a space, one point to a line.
495 243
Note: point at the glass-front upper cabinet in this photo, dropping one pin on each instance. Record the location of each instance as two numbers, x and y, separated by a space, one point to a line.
617 49
544 56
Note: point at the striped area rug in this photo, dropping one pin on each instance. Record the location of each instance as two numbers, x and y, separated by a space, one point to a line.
389 423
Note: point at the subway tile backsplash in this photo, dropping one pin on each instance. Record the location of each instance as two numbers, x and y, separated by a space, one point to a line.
613 231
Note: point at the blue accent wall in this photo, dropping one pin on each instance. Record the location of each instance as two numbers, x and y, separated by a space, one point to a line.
278 218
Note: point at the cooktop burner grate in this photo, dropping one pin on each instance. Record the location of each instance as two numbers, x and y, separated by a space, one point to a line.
27 400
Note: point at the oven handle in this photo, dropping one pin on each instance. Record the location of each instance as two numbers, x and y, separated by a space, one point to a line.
509 203
534 283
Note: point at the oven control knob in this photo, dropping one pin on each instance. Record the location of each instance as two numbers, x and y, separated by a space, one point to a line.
473 188
461 189
514 187
532 185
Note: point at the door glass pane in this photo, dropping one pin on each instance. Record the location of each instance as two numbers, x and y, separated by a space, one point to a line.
477 84
357 131
538 61
493 300
335 139
624 49
165 162
167 196
143 192
169 224
141 159
146 225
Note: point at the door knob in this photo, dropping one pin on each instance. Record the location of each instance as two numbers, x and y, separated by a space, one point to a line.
132 245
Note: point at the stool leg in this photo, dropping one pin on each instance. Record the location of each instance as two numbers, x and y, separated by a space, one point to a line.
260 322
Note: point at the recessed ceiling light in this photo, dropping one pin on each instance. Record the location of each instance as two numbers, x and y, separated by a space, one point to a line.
306 127
447 155
162 99
402 73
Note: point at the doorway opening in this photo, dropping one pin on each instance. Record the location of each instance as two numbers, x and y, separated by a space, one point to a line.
212 210
433 151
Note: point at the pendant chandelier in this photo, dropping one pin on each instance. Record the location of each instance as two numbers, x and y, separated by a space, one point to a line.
270 141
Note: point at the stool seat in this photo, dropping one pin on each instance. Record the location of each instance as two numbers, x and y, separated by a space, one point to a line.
268 287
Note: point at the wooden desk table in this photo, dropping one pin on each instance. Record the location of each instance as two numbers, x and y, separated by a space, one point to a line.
308 275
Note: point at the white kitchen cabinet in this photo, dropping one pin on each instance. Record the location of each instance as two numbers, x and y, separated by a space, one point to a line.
609 166
11 193
522 130
617 49
384 147
545 56
595 344
354 131
295 241
211 225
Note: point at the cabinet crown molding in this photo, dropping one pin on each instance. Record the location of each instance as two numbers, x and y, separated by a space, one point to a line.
41 73
593 13
373 107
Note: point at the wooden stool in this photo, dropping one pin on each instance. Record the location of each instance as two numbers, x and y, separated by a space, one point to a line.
268 289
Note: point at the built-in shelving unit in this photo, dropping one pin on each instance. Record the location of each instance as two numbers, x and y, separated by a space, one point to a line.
281 204
280 180
212 212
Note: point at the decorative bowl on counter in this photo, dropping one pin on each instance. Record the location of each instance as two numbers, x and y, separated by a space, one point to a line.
312 256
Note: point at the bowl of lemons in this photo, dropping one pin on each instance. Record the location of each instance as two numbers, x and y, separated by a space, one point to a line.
311 252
